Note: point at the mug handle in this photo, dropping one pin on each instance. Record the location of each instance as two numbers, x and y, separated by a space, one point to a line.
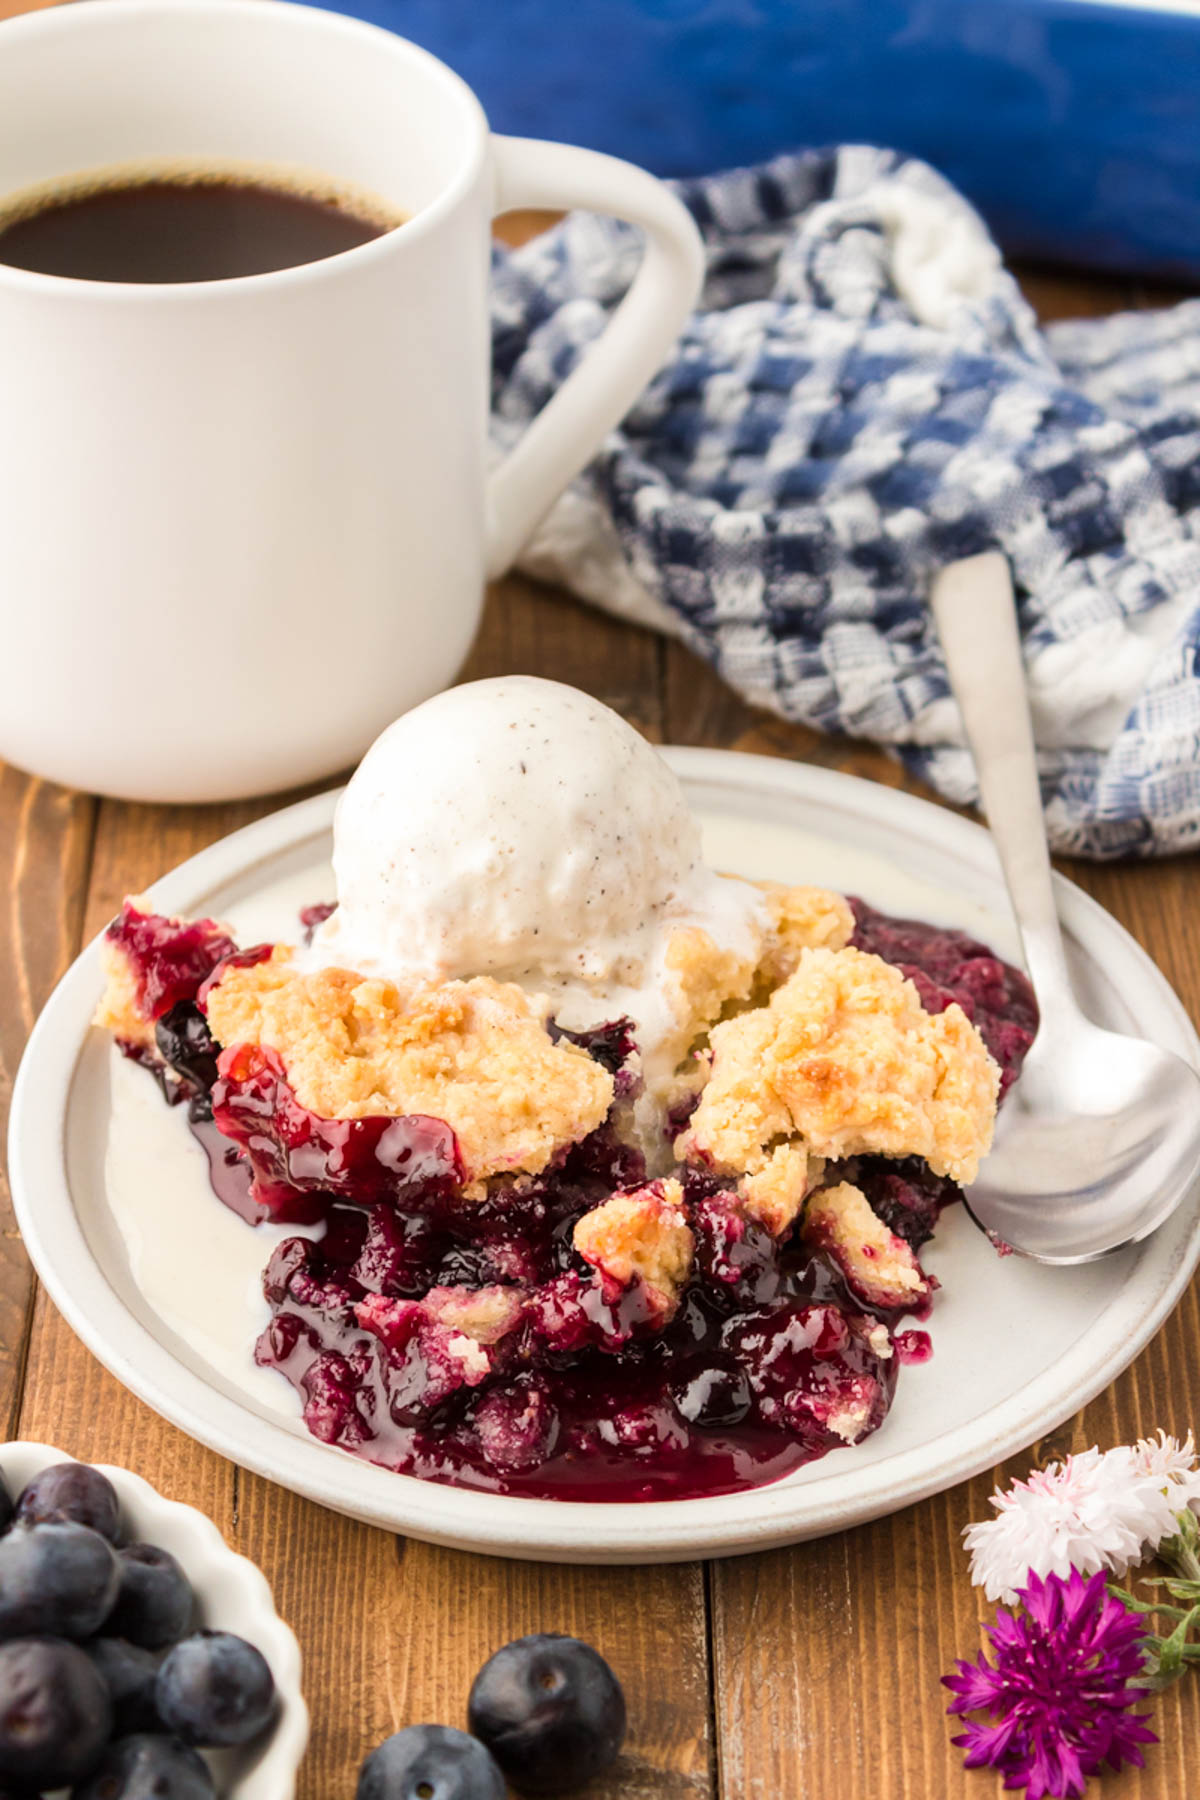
633 346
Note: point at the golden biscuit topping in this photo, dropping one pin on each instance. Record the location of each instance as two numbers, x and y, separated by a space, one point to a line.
845 1058
119 1010
702 980
802 918
469 1052
705 982
881 1267
774 1195
485 1314
644 1233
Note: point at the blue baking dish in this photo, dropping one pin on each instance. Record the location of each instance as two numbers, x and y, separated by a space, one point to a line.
1074 125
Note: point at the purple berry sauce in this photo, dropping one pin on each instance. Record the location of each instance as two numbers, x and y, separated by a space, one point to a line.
945 966
580 1392
169 959
912 1346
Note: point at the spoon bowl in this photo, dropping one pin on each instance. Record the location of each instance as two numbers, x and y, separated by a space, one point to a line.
1094 1148
1099 1140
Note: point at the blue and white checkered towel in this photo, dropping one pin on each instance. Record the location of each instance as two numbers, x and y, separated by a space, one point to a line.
863 397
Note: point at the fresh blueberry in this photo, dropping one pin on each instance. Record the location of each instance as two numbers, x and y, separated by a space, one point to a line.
56 1579
55 1714
149 1768
154 1602
74 1491
129 1673
550 1710
6 1512
430 1762
215 1688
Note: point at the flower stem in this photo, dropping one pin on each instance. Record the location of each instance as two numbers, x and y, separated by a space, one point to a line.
1182 1551
1166 1658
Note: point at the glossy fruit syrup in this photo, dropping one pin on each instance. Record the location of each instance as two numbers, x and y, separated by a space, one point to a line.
566 1385
945 966
588 1396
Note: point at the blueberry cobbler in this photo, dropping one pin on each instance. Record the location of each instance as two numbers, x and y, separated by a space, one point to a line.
615 1171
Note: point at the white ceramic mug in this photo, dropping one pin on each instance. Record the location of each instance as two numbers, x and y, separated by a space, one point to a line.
245 523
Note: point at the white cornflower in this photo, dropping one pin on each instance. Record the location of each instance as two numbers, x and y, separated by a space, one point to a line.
1093 1511
1167 1456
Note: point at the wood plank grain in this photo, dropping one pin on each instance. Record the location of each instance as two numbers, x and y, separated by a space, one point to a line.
69 1399
531 629
827 1657
45 841
1056 293
393 1631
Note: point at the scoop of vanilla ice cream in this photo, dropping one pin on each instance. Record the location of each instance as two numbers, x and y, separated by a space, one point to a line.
515 828
519 829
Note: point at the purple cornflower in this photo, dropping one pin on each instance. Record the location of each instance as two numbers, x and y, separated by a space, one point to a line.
1062 1690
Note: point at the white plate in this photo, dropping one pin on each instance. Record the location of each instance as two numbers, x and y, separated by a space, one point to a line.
232 1594
1017 1348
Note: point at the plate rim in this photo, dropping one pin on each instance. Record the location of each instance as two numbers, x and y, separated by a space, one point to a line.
515 1526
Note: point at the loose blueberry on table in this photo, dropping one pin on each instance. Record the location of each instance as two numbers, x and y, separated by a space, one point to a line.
551 1712
546 1713
430 1762
620 1317
101 1687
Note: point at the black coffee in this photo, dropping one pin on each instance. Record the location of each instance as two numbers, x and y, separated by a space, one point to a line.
203 226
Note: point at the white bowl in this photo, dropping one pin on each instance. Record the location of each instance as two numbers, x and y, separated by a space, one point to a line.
231 1595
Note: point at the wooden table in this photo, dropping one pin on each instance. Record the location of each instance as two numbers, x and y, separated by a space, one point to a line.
802 1674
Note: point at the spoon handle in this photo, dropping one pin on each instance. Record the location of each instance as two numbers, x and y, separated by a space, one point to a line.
976 615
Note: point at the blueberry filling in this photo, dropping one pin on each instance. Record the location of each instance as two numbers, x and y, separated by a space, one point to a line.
187 1048
572 1387
946 965
312 916
170 959
610 1045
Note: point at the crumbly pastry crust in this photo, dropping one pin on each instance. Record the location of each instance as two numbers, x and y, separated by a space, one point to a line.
880 1266
801 918
804 1051
486 1314
845 1059
469 1052
118 1010
703 979
775 1194
707 982
644 1233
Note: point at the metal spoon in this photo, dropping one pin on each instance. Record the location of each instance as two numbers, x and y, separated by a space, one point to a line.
1099 1140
